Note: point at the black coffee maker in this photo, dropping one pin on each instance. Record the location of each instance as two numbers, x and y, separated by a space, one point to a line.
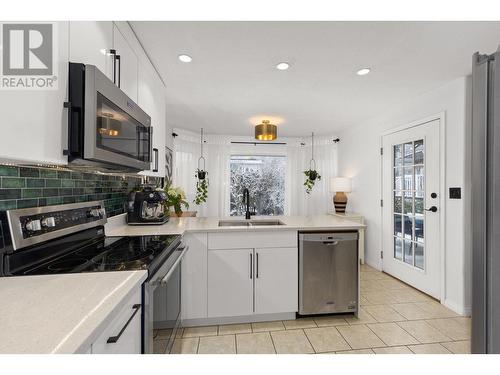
147 206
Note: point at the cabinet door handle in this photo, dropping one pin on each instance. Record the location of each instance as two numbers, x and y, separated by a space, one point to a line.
251 265
119 59
114 339
257 268
155 151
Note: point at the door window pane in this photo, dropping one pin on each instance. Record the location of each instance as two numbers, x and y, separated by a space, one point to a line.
408 178
398 178
419 228
408 153
408 227
398 248
408 203
419 255
408 252
398 226
419 151
419 178
398 155
419 203
398 202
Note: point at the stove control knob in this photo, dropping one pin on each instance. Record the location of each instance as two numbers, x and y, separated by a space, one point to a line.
49 222
33 225
95 212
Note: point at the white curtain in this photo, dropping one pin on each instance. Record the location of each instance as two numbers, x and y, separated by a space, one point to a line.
319 201
217 153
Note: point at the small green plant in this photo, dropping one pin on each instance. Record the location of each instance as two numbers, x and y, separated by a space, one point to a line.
201 187
311 177
176 198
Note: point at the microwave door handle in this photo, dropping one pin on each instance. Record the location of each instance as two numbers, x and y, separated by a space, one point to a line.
150 144
155 151
119 59
112 52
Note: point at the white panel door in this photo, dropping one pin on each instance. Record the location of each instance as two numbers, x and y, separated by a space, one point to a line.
128 66
90 43
276 280
230 282
412 206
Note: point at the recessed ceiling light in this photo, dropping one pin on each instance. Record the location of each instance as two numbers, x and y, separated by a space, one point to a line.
283 66
185 58
363 72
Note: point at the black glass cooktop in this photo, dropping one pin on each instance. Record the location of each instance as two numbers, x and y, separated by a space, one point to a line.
110 254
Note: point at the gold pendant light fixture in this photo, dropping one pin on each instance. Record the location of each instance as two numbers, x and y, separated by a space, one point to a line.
266 131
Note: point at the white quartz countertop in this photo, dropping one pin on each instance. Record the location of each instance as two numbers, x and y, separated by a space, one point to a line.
116 226
61 313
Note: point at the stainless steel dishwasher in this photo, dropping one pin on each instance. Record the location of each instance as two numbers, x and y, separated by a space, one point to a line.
328 272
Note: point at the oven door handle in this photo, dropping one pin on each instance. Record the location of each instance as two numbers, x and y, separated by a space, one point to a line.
174 266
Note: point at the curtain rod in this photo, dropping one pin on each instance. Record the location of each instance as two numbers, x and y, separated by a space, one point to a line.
259 143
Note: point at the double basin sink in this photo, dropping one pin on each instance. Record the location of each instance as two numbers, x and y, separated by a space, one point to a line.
248 223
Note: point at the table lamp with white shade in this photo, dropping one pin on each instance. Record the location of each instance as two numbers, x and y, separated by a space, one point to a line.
340 186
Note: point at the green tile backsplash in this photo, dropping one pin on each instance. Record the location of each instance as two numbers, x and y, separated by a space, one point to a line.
23 187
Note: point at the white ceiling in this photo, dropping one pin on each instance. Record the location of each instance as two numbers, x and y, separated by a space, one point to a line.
232 79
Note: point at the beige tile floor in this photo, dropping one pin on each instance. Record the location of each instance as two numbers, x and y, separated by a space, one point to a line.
394 319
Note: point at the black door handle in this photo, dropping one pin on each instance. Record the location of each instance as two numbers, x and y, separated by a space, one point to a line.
114 339
432 209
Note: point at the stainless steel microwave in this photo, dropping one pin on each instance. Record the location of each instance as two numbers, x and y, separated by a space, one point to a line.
106 128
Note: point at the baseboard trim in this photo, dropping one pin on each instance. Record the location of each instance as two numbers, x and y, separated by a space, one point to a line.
460 310
238 319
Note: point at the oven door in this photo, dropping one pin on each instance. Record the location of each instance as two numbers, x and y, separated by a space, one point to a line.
163 306
117 130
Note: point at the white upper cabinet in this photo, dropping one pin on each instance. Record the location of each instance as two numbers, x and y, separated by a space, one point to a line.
151 98
34 122
127 67
90 43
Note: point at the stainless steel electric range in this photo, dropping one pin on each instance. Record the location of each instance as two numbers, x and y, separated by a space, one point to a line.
70 238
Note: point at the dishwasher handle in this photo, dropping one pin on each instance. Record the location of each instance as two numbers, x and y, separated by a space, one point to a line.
330 243
328 238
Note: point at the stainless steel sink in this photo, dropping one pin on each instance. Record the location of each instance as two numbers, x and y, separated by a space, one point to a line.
233 223
266 222
248 223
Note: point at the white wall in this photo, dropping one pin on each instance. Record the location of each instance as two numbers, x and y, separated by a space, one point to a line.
359 158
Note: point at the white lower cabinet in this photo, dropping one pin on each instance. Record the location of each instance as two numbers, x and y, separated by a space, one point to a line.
276 280
194 277
123 334
230 282
220 279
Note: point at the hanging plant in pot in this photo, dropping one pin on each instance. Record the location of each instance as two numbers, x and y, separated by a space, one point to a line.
312 174
202 178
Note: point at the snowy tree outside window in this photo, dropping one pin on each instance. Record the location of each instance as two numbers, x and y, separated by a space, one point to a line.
264 177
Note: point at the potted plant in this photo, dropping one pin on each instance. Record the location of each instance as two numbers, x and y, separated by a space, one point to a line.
311 177
312 174
176 198
201 187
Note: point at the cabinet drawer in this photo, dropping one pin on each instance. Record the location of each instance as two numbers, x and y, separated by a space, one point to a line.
252 239
129 342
